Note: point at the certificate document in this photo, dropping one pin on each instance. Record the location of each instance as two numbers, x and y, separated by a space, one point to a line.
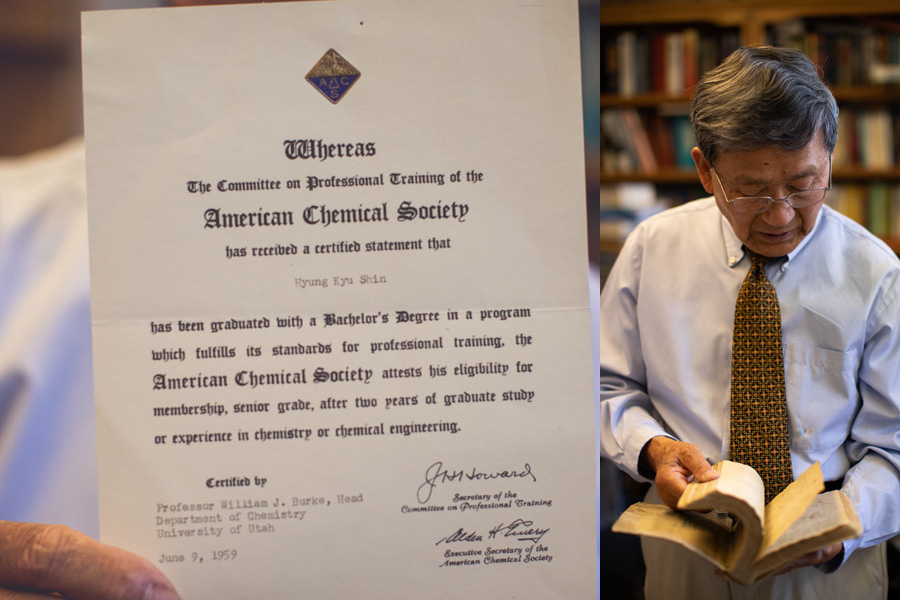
339 278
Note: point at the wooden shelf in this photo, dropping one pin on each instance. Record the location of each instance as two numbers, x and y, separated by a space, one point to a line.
679 176
867 93
663 176
749 16
861 174
645 100
876 94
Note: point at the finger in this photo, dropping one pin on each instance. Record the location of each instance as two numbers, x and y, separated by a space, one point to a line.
670 484
789 567
813 558
53 558
697 464
12 594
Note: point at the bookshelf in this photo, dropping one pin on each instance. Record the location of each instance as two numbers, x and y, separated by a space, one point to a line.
643 105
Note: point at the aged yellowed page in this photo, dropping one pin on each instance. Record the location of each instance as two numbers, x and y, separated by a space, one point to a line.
339 278
736 482
695 531
739 491
786 507
830 518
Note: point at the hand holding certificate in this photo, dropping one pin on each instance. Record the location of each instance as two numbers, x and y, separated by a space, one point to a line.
339 297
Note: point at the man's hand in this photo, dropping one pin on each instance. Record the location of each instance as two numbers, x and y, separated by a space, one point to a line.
814 558
675 462
37 561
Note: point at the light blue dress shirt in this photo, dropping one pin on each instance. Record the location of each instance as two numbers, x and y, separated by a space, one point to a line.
48 455
665 350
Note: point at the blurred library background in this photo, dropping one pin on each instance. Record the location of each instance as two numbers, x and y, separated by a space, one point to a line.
652 52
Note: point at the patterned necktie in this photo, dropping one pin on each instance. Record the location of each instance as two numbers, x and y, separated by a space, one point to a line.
759 424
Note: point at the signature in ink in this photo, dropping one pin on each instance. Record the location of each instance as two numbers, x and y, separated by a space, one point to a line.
437 474
460 535
522 530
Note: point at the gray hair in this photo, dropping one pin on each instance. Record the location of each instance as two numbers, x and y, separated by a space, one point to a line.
762 96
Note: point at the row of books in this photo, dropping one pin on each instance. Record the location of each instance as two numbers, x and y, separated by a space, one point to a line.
634 141
855 52
661 61
666 61
868 137
876 206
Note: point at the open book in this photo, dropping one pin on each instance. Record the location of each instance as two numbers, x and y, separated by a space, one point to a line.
735 530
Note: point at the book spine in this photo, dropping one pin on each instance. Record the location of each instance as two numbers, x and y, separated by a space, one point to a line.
684 141
675 82
639 140
627 59
691 59
877 209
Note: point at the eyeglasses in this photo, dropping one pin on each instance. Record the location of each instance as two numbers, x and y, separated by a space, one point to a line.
760 204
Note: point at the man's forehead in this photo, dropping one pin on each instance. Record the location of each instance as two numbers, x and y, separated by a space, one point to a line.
749 175
766 164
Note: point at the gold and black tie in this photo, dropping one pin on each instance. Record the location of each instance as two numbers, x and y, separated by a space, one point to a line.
760 434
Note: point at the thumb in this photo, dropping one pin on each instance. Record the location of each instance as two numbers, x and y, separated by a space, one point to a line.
52 557
696 463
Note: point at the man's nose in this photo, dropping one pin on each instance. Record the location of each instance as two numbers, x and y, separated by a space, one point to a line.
780 213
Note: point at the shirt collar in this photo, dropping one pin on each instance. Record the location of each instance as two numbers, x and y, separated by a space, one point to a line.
734 248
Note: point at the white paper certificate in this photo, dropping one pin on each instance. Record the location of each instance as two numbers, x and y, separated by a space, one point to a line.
339 290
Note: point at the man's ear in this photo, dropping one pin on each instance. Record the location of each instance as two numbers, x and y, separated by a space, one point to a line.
704 169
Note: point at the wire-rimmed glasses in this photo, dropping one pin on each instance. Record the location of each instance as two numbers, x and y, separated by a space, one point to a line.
760 204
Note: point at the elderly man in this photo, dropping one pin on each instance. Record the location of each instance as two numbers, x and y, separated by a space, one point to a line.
759 281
